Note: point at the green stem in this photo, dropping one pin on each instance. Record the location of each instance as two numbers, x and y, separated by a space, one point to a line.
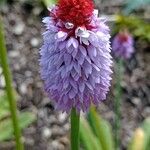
118 94
9 89
75 125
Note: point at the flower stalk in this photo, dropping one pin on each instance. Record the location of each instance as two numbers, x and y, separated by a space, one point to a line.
9 89
118 93
75 126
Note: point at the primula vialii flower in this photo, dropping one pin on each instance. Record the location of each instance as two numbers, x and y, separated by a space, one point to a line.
122 45
75 56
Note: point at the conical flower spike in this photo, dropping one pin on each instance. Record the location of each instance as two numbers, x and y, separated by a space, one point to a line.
75 57
122 45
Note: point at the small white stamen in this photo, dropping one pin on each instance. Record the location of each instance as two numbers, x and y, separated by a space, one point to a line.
69 25
82 32
95 12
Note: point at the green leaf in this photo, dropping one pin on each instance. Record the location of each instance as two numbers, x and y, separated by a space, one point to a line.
88 139
4 113
26 118
102 130
3 101
6 129
4 106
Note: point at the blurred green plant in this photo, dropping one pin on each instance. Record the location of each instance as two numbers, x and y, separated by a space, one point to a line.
96 133
117 101
49 3
11 121
102 129
9 89
6 127
134 4
2 2
46 3
146 127
137 142
141 137
88 137
137 27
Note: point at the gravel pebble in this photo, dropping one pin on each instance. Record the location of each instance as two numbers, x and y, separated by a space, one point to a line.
136 101
23 88
13 54
46 132
34 42
55 145
2 81
146 112
19 28
62 117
